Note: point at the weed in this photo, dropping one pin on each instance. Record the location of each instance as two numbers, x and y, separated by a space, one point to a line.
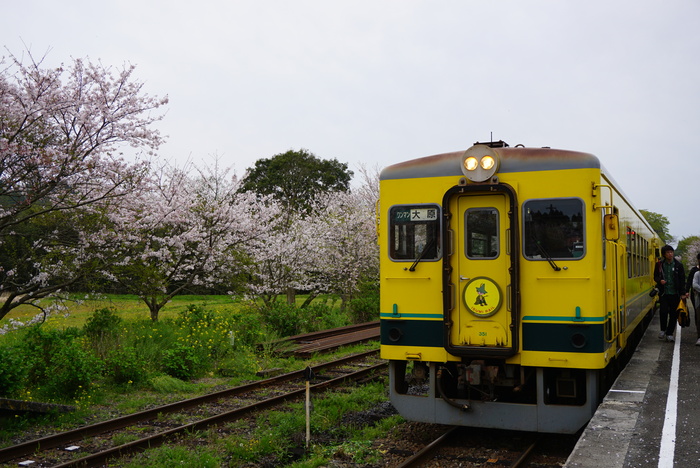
181 456
122 438
168 384
278 433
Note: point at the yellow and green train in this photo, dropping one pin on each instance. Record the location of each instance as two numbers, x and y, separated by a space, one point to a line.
514 286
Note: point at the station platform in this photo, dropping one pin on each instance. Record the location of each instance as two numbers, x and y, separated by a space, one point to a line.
651 416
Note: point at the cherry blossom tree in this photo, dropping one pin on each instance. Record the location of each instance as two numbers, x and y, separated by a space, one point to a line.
326 250
689 248
60 132
348 246
188 230
349 243
282 259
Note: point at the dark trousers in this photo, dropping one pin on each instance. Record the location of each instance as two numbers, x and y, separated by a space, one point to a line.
697 312
668 312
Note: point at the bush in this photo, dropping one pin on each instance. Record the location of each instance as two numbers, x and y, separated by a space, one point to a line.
103 328
149 339
39 348
124 365
288 319
207 333
59 362
322 316
103 323
248 329
13 371
195 315
285 319
74 370
182 362
365 306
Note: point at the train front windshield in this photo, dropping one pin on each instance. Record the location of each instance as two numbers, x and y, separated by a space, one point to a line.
414 232
553 228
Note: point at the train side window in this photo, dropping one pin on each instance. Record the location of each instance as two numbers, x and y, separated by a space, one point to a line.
553 228
414 232
481 228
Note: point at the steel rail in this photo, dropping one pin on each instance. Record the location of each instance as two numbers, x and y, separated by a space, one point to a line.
324 340
309 347
331 332
524 456
428 450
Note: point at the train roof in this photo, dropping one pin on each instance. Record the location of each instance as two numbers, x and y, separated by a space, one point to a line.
517 159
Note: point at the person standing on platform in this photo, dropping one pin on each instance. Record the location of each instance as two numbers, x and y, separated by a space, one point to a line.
670 280
694 295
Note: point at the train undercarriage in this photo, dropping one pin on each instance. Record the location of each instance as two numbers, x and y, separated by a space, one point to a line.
480 393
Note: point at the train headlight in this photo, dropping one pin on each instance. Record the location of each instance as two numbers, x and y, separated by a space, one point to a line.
487 162
471 163
479 163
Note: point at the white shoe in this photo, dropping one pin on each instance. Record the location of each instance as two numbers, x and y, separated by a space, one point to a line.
697 343
670 338
662 335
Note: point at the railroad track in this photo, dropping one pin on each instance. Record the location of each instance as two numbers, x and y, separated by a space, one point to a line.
461 446
53 450
326 340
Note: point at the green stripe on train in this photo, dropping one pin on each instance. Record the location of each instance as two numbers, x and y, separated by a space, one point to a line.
564 337
411 332
551 337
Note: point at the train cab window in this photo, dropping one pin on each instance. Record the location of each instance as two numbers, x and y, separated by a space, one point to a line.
481 227
414 232
553 228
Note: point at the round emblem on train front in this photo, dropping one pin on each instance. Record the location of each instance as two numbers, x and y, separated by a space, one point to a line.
482 296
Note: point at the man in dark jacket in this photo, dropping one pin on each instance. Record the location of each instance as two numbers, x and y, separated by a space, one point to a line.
670 280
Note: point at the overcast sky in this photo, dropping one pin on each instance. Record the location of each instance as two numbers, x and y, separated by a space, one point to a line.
373 83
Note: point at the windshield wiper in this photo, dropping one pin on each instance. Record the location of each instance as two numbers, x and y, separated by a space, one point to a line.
422 254
546 255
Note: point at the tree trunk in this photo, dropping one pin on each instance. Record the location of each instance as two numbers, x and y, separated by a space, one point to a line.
153 307
312 296
291 296
344 300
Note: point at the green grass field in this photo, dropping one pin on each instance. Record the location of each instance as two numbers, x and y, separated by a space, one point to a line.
128 307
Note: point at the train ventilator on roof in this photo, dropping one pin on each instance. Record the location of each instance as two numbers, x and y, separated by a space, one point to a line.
480 163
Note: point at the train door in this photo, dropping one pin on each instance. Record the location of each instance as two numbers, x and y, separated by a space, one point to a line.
483 264
621 295
611 293
616 273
